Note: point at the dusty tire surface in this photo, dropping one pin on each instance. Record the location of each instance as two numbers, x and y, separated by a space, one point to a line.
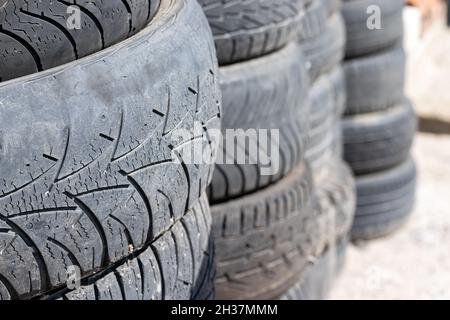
362 40
40 34
385 201
379 140
322 42
265 239
336 196
179 265
269 93
316 280
375 82
327 95
91 158
253 28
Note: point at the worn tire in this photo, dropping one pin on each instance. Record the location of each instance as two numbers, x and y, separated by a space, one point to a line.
91 159
327 96
385 201
362 40
337 201
266 93
379 140
316 281
36 35
375 82
249 29
265 239
322 41
179 265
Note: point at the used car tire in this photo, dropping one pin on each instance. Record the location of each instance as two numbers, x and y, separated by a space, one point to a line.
39 35
361 39
323 44
265 239
385 201
375 82
91 156
379 140
252 28
179 265
327 95
269 93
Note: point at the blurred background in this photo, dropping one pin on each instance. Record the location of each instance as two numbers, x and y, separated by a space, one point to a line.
415 262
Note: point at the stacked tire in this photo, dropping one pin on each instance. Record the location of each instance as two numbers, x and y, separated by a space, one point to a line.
97 197
273 227
379 121
322 39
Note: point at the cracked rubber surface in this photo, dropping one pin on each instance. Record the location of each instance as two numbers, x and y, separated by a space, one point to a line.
265 239
379 140
385 201
267 93
92 165
251 28
362 40
36 35
179 265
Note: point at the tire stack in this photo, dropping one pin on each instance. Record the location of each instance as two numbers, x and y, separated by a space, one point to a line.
275 229
322 39
93 203
379 121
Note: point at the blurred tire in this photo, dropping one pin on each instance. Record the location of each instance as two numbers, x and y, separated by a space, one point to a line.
385 201
379 140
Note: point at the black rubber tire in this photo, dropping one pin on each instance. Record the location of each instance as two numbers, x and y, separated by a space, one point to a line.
375 82
35 35
340 190
252 28
89 172
362 40
316 281
322 41
266 93
265 239
179 265
379 140
385 201
327 96
337 201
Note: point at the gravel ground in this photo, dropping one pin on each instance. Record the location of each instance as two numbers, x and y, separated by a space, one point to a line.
415 262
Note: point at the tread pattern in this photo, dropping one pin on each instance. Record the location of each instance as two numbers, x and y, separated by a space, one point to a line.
102 176
263 240
362 40
252 28
385 201
379 140
265 93
323 41
375 82
327 100
35 34
337 200
178 265
316 280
